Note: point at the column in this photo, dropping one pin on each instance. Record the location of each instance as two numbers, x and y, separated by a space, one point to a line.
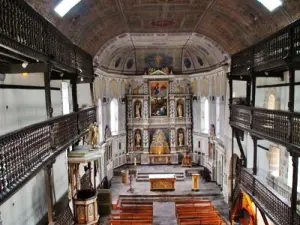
47 81
49 191
254 155
295 161
74 95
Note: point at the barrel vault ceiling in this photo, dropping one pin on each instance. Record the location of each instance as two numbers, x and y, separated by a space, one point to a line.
233 24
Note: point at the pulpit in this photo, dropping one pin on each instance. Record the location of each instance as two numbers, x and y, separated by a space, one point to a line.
84 197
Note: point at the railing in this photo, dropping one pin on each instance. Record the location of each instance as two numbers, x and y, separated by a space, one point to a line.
27 150
277 208
272 125
269 53
26 31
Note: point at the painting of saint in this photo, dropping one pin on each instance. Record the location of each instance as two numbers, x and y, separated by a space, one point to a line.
159 107
158 88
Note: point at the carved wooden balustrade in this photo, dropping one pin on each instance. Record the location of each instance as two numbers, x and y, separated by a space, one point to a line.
268 200
25 31
272 125
276 51
25 151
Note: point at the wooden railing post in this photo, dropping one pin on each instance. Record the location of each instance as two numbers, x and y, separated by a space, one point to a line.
295 161
254 155
47 80
49 191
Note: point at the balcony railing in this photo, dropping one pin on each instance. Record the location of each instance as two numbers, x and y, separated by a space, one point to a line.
24 152
269 201
272 125
23 30
275 51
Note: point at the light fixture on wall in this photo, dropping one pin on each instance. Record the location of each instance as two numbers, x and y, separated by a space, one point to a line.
24 64
81 79
24 74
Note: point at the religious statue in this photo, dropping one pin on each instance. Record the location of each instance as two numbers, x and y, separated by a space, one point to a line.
129 89
180 138
179 110
138 110
93 134
138 138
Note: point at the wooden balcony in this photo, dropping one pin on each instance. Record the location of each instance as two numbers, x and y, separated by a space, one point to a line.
281 127
268 200
26 33
275 52
25 152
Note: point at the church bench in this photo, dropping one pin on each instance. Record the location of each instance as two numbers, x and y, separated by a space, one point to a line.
135 203
202 221
197 222
131 222
193 201
135 216
194 208
132 209
196 214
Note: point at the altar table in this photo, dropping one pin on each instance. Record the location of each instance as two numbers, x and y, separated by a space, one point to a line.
159 182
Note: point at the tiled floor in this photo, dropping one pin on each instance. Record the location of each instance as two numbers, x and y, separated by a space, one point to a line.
164 213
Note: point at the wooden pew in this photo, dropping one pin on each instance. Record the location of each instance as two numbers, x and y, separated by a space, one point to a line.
192 202
200 222
134 216
187 208
181 215
130 222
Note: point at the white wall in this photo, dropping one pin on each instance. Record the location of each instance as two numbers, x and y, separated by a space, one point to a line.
29 205
22 107
84 95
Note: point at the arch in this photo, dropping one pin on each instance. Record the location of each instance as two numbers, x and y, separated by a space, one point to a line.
114 116
204 115
218 116
271 102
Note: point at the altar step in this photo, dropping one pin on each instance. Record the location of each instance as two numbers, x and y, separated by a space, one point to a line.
180 176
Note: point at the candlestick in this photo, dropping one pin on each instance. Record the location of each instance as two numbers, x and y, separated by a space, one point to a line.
135 161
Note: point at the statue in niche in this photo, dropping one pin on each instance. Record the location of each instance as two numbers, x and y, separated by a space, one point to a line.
138 138
180 137
129 89
179 109
137 109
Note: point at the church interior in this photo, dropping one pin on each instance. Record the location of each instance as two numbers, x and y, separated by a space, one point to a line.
139 112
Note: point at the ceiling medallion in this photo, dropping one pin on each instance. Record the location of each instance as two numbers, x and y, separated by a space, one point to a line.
162 23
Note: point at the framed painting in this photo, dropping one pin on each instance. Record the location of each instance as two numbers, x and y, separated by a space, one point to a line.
159 97
159 89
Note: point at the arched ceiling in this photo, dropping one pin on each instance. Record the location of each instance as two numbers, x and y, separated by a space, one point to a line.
182 52
233 24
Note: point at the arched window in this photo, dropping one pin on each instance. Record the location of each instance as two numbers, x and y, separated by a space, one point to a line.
218 116
271 102
100 118
114 116
205 115
274 161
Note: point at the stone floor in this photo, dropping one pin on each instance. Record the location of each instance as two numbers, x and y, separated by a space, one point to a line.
164 200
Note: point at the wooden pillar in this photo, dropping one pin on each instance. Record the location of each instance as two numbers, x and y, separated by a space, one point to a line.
92 94
294 188
49 191
47 80
248 92
74 95
254 155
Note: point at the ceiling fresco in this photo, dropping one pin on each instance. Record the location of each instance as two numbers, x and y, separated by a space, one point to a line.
232 24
